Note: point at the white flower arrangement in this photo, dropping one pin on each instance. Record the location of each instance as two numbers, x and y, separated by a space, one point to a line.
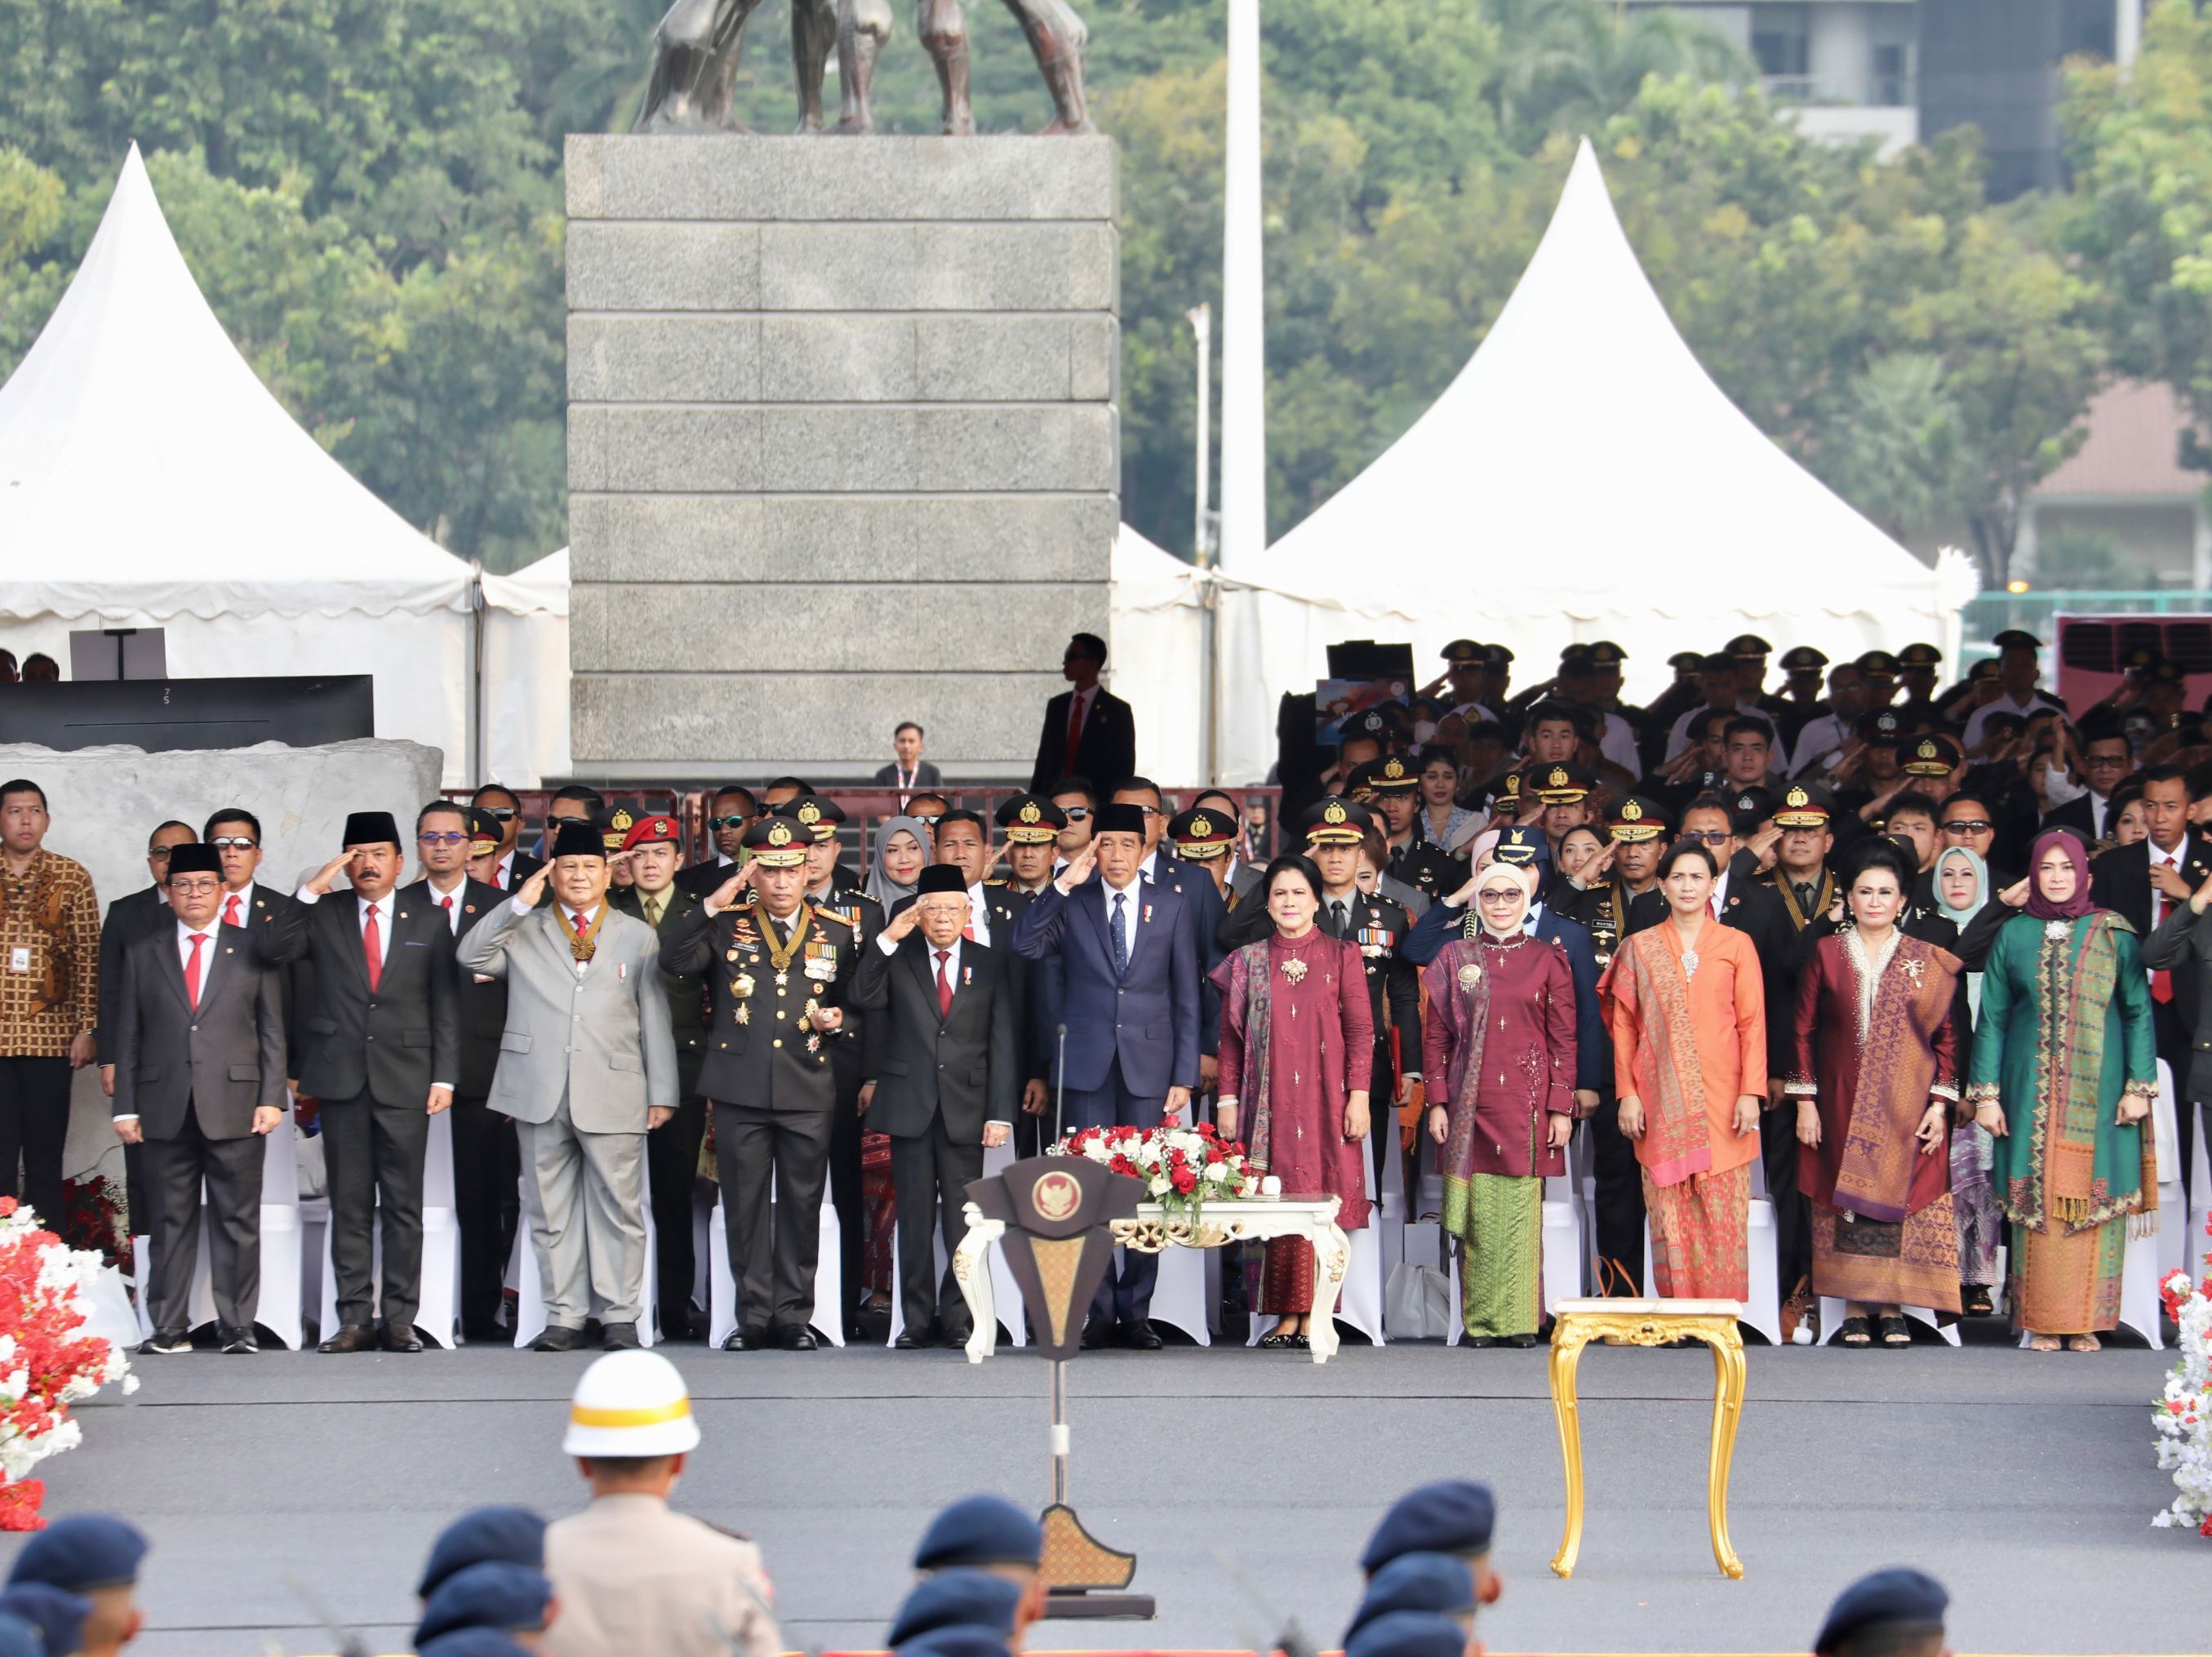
2182 1414
1181 1167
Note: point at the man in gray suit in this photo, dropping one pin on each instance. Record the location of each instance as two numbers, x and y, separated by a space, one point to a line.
198 1045
587 1068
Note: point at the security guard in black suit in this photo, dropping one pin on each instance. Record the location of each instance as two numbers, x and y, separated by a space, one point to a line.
777 969
829 888
1391 788
655 896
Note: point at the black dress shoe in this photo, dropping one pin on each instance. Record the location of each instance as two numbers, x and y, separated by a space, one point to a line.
350 1338
746 1341
795 1337
1096 1333
905 1342
558 1338
401 1338
619 1336
1525 1342
1141 1337
167 1340
956 1338
236 1340
1473 1341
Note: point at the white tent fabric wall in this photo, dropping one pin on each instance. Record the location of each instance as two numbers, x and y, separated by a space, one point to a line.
1583 477
526 673
148 479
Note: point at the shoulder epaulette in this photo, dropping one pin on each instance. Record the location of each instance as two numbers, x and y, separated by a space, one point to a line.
994 882
830 915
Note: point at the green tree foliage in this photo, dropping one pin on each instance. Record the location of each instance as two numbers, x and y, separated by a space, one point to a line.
369 191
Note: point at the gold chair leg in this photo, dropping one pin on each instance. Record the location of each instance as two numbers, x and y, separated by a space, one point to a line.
1727 1411
1566 1357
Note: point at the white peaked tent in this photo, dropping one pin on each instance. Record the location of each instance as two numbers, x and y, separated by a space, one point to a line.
1583 477
526 674
148 479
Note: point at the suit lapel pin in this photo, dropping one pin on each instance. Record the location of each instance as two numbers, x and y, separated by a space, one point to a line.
226 949
468 908
403 914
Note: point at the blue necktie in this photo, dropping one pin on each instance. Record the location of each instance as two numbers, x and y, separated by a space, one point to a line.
1121 936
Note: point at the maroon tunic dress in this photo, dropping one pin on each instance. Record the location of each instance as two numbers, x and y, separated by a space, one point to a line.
1297 1036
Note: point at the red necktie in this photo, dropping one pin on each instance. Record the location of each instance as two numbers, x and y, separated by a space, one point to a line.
2161 983
967 926
943 986
372 946
1074 732
446 904
192 971
230 910
578 922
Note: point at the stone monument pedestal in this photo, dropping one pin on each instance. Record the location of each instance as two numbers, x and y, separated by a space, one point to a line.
843 445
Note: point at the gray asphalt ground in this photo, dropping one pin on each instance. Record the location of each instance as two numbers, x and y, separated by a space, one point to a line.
2025 1482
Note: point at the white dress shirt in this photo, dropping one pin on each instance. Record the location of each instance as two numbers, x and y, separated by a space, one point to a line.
2159 900
450 902
184 936
502 872
979 914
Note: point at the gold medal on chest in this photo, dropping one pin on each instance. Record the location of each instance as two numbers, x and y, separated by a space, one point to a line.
744 1014
741 986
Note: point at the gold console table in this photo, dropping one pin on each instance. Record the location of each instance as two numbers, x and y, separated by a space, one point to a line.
1648 1323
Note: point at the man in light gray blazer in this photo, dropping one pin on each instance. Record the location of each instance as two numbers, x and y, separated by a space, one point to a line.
587 1068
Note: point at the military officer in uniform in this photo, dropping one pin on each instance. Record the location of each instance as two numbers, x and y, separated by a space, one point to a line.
1918 666
829 889
1565 792
1751 653
1031 824
1800 701
1605 898
1392 787
654 896
777 969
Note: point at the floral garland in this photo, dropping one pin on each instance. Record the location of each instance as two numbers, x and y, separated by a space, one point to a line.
1182 1167
48 1363
2184 1414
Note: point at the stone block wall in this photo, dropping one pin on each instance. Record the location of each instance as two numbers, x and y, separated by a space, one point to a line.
843 445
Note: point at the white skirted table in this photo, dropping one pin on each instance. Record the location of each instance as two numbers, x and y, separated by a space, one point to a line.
1152 1230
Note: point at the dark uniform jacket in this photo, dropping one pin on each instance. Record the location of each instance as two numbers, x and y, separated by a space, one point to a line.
394 1041
758 1054
128 919
482 1006
687 991
1429 870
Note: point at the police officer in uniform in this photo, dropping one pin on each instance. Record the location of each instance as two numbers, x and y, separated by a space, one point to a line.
1800 701
1392 788
830 889
777 969
656 896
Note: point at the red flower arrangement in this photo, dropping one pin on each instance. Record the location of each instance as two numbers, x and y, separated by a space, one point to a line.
1180 1166
48 1363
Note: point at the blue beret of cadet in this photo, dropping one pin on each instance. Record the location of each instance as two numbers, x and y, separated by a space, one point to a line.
56 1613
962 1596
1409 1634
980 1530
84 1552
496 1594
1895 1598
514 1534
1453 1515
19 1639
471 1642
1416 1582
960 1639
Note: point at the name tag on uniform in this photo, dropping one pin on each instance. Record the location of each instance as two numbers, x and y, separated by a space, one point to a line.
18 958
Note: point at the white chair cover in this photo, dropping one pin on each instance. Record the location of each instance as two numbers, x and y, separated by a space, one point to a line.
828 1320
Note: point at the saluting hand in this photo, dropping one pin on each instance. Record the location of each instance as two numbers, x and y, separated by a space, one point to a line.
902 923
531 892
2013 896
1079 866
326 876
726 895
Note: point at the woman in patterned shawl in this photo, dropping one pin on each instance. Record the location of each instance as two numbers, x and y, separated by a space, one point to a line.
1876 1080
1499 1038
1684 1002
1297 1048
2064 1074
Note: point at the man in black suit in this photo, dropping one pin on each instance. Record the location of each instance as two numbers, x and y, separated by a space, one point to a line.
235 834
383 1051
778 970
1088 732
128 919
728 817
656 896
198 1036
487 1155
828 888
945 1048
509 866
2143 883
2106 759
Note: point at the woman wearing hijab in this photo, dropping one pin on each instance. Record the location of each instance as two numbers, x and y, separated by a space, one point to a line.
903 846
1876 1080
2064 1073
1500 1032
1962 895
1297 1048
1685 1002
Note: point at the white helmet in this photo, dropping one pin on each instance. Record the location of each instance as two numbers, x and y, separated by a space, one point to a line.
630 1404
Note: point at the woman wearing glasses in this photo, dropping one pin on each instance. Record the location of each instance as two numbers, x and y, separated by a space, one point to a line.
2064 1069
1875 1081
1687 1013
1297 1048
1500 1039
